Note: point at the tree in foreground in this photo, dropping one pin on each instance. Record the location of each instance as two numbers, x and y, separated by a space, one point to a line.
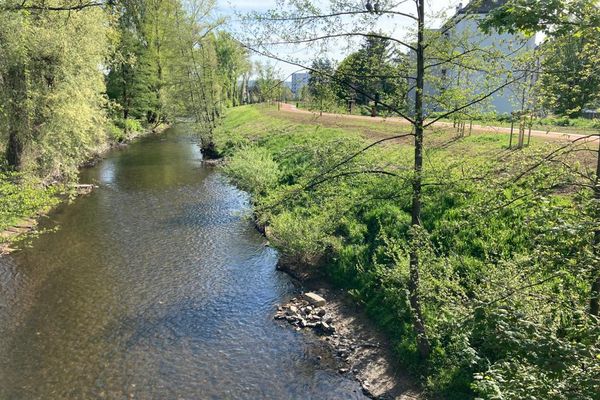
427 49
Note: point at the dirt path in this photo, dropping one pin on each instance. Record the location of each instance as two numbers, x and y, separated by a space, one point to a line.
552 135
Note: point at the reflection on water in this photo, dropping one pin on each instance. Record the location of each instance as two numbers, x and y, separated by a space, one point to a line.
154 287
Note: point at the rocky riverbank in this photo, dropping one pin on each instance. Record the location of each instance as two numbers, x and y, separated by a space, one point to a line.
361 350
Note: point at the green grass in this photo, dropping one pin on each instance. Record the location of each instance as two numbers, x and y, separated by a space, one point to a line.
488 230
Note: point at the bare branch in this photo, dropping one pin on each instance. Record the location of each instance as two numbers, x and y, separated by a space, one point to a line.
353 156
324 16
475 101
349 34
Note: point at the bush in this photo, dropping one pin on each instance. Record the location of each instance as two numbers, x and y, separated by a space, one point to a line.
115 133
132 126
252 169
22 198
302 238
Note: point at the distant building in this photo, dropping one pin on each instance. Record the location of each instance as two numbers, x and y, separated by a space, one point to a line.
463 28
299 80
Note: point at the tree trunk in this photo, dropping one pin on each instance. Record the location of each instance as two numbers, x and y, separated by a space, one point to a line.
595 292
415 299
14 149
17 118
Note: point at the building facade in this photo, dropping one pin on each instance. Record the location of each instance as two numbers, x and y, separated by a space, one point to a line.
463 35
299 80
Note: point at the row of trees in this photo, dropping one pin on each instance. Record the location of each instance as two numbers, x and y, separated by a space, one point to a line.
75 75
375 71
563 78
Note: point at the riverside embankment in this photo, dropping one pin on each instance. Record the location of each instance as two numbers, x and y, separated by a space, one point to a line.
497 229
25 198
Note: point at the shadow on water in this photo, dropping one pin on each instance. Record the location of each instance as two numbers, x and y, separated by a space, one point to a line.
154 287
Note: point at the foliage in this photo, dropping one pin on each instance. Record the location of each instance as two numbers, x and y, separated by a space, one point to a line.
268 85
506 256
569 80
21 197
321 85
375 72
51 89
253 168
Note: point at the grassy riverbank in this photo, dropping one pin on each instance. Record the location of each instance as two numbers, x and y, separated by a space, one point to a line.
22 198
505 251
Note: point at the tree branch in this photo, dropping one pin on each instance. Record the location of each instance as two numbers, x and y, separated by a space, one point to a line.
358 90
37 7
332 36
476 101
324 16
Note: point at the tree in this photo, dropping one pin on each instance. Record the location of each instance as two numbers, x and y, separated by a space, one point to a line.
52 85
377 70
320 85
570 81
138 74
573 24
268 85
233 60
306 23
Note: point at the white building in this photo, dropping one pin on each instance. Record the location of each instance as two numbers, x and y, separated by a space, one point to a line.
464 36
299 80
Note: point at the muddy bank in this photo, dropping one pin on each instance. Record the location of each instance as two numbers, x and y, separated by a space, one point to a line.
360 349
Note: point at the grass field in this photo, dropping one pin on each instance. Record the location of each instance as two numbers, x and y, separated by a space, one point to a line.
505 244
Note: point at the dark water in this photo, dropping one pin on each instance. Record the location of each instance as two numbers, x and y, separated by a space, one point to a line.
154 287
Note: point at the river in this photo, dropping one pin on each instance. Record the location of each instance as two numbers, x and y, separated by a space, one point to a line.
155 286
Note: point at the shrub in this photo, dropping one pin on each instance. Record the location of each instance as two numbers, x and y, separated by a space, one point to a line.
115 133
302 238
22 198
252 169
132 126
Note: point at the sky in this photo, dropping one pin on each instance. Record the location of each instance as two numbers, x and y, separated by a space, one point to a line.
230 8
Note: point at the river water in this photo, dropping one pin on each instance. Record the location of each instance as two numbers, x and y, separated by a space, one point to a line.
155 286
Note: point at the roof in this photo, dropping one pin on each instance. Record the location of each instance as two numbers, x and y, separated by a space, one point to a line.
473 8
481 6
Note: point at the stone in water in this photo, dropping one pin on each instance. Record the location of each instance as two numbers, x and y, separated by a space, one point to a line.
314 299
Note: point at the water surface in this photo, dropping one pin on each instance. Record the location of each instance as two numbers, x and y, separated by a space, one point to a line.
155 286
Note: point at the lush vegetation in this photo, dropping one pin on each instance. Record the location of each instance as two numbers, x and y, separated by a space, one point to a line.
505 246
481 262
78 77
